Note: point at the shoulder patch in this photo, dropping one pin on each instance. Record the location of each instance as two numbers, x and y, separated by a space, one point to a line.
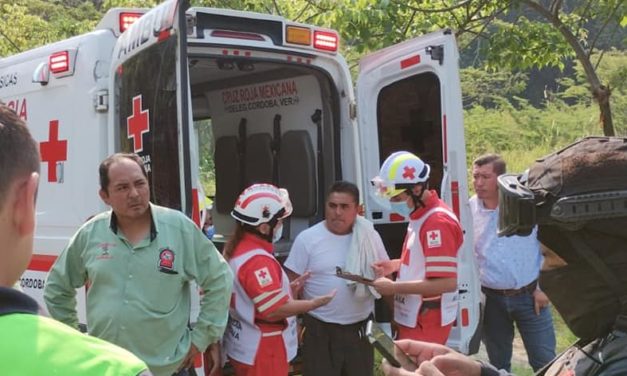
434 239
263 276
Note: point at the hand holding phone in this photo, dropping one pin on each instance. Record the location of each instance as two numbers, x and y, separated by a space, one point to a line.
386 347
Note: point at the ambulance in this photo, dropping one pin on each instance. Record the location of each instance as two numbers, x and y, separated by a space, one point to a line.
238 97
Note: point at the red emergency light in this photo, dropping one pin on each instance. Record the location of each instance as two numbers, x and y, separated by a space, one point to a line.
59 62
325 40
127 19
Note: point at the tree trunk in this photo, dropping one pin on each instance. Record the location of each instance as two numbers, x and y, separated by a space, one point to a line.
600 93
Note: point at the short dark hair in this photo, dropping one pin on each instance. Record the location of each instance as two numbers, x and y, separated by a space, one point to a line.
103 170
344 187
497 161
19 152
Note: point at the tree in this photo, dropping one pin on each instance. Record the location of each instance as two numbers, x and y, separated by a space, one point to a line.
556 33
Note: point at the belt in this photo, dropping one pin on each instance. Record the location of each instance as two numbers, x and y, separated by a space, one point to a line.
429 304
529 289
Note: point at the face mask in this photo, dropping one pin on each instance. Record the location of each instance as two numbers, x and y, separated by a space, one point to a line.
582 298
401 208
278 232
210 231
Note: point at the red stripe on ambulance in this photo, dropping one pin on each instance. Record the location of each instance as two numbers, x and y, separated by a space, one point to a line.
41 263
410 61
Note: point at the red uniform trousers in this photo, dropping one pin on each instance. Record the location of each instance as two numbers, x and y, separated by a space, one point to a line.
428 328
270 360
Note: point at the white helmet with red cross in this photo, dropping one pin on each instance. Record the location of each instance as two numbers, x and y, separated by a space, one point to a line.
400 171
261 203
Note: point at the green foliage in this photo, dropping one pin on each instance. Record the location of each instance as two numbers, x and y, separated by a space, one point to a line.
525 133
487 89
524 45
25 24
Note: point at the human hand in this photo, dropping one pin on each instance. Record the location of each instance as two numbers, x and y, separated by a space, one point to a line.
540 300
434 360
212 360
188 361
452 364
384 286
324 299
387 267
419 352
298 283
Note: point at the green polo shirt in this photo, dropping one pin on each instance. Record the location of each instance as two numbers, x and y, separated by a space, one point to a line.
139 296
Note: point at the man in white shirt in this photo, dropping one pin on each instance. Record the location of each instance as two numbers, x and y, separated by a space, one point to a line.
508 270
334 340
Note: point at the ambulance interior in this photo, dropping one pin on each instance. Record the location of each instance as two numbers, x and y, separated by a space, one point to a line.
261 122
275 122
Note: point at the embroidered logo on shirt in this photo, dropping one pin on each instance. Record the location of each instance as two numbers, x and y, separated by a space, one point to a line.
434 239
263 277
166 261
104 248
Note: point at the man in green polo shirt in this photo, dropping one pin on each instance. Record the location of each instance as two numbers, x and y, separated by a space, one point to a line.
139 260
33 345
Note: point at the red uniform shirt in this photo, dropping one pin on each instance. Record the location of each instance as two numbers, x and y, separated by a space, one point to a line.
440 237
261 278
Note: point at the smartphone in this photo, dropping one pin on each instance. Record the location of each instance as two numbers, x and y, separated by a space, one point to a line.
385 346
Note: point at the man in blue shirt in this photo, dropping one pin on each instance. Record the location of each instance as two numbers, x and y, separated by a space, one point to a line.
508 269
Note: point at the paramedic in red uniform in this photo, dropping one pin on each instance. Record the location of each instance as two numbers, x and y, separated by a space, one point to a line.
261 338
425 290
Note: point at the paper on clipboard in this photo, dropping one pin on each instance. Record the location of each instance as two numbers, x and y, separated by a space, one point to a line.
352 277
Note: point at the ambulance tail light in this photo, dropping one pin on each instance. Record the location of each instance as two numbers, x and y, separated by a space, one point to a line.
298 35
59 62
326 41
127 19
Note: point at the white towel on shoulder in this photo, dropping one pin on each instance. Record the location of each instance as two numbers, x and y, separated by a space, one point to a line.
361 255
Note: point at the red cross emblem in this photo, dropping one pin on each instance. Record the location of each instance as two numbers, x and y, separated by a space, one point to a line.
408 172
433 235
138 124
263 274
53 150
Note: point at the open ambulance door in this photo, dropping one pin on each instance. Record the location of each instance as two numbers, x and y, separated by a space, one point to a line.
151 112
409 98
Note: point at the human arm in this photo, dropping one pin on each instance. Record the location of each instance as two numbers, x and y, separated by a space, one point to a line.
386 267
66 275
427 287
296 306
439 360
213 275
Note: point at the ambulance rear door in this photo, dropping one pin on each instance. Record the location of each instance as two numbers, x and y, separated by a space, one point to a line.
151 112
409 98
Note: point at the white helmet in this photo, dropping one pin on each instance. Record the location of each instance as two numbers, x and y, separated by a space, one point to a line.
400 171
261 203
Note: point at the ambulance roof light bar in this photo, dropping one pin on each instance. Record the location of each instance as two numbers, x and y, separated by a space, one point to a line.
127 19
325 40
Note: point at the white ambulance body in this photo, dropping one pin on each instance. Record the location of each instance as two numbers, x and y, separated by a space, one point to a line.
263 98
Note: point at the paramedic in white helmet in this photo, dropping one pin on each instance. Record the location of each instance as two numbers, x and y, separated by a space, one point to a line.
425 290
261 336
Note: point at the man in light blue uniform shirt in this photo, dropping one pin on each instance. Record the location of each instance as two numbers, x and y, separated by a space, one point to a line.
508 269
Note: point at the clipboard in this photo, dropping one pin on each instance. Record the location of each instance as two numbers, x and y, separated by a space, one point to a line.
352 277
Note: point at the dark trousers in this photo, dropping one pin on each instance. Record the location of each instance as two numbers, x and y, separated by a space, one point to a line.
336 350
